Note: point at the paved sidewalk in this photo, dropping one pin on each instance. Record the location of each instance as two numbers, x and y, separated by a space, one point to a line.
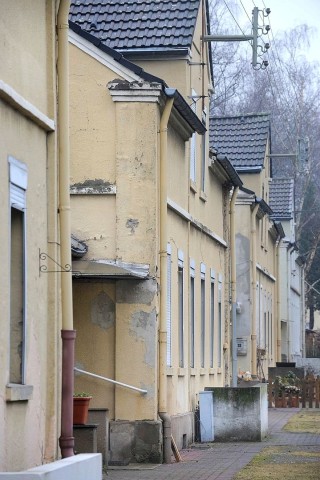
217 461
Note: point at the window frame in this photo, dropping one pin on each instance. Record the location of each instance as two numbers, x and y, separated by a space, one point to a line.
18 183
181 309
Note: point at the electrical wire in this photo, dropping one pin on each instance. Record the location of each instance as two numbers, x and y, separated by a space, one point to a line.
286 92
234 18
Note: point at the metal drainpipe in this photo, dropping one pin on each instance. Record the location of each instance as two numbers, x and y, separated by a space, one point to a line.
66 440
254 297
233 287
162 402
278 329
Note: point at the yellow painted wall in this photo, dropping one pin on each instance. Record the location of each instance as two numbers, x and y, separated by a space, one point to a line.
25 63
29 429
118 141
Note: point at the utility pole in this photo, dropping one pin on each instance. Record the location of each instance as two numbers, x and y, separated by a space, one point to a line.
257 32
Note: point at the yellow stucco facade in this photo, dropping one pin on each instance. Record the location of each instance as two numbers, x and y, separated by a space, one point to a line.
29 333
116 190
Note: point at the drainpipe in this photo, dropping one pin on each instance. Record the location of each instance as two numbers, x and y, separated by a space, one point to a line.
66 440
289 313
278 330
162 402
303 309
254 296
233 286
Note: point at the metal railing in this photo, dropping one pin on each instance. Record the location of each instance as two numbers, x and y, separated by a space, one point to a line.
110 380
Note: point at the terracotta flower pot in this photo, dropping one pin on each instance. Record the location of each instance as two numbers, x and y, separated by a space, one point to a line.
80 410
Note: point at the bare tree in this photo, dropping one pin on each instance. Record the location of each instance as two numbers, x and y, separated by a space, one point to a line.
289 89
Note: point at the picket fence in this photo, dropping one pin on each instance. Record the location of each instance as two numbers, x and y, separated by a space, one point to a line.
306 396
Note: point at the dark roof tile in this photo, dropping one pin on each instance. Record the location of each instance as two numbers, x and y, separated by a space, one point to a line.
135 24
282 198
242 138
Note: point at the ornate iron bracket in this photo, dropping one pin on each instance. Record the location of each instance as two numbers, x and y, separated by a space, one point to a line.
45 259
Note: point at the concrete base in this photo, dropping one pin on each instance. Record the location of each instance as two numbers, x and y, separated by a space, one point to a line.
138 441
78 467
240 414
85 438
100 416
182 429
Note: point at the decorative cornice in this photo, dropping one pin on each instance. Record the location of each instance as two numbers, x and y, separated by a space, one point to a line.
137 91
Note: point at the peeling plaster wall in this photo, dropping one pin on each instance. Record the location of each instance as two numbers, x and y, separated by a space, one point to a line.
136 349
265 314
94 320
136 169
94 222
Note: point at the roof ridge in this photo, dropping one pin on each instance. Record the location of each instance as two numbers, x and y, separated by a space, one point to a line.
252 114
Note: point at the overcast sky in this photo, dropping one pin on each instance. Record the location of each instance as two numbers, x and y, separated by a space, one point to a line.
287 14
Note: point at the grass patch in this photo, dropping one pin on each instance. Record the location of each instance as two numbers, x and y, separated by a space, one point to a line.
274 463
304 422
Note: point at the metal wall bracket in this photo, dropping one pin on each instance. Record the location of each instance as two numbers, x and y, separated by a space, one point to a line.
48 264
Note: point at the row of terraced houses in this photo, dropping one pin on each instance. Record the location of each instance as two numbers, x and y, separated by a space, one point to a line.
144 240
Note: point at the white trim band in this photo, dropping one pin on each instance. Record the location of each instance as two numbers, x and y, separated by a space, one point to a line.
9 95
186 216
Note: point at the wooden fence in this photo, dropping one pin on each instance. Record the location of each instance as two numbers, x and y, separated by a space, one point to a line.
305 394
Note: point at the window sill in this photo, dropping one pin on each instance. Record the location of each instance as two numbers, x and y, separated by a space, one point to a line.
203 371
212 371
193 372
203 196
169 372
219 370
181 372
193 186
18 393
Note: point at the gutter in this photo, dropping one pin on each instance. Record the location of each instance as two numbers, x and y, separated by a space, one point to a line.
162 401
278 306
66 440
185 111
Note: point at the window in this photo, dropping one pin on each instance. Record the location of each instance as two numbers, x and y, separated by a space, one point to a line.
193 107
180 309
169 318
203 314
212 318
18 186
192 317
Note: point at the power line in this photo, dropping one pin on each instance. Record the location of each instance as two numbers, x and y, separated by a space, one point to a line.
235 20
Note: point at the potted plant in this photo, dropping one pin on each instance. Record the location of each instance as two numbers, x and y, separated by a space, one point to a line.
81 402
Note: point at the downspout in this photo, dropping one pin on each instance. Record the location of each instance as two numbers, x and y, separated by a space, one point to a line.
278 330
233 287
254 296
162 402
303 309
289 317
66 440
